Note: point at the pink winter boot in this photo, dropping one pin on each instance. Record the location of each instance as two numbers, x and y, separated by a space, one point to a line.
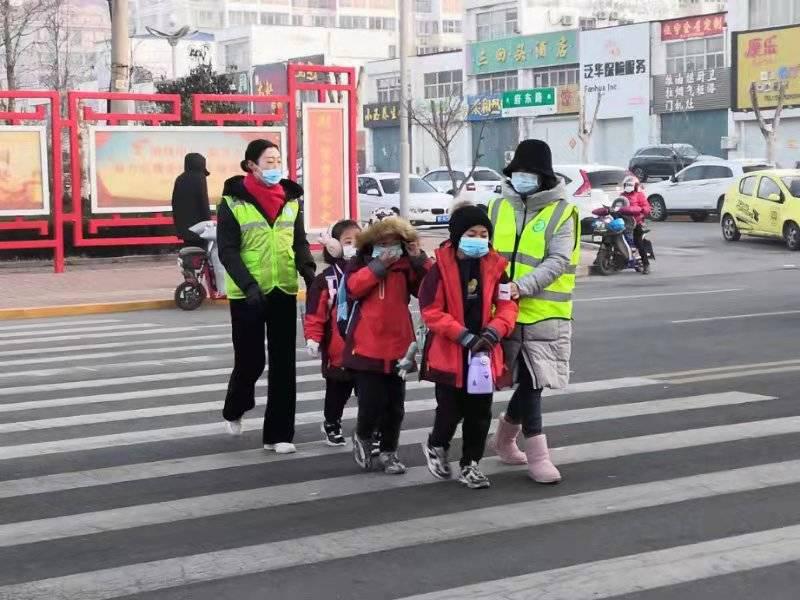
505 443
540 468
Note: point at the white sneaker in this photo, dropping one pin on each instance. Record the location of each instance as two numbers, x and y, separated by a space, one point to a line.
281 448
234 427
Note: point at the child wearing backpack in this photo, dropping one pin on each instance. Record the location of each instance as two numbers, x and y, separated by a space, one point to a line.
322 334
465 301
380 280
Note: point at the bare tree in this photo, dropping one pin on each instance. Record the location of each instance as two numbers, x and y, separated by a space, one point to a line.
63 67
769 127
19 24
443 120
585 130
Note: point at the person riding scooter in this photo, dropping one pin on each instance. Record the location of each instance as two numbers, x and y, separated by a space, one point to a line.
632 190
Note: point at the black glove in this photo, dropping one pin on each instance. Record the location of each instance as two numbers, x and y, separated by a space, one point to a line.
254 296
478 343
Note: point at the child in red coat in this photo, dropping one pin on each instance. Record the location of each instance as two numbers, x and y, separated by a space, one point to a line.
387 270
466 303
322 334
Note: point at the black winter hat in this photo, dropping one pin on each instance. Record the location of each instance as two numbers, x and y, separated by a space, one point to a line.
254 151
532 156
464 217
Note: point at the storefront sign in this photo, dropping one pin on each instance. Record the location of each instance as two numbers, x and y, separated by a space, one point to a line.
23 172
615 63
382 115
529 103
123 158
271 80
769 58
523 52
484 107
706 89
569 99
324 166
693 27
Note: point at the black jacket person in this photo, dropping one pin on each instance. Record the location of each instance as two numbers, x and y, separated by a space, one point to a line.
190 199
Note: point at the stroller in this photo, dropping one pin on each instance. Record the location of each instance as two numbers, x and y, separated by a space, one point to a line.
203 273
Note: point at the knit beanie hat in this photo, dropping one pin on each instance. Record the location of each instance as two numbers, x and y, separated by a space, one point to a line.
464 217
254 151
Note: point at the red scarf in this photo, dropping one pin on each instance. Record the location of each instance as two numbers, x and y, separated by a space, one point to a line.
271 198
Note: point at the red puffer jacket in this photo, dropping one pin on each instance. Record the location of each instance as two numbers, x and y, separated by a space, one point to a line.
442 306
320 322
638 200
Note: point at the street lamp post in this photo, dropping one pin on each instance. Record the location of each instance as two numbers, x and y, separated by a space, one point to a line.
172 39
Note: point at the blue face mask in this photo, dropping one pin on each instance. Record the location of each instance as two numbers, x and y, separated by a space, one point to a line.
273 176
525 183
474 247
391 249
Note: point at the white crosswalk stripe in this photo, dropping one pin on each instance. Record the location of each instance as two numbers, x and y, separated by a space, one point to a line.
117 479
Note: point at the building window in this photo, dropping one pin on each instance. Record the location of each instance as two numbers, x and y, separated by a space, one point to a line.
243 17
323 21
326 4
297 19
451 26
585 23
496 24
270 18
381 23
423 50
555 77
495 83
774 13
350 22
444 84
423 6
695 55
388 88
427 27
236 56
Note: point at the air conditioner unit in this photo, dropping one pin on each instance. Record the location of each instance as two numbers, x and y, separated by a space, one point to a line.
567 20
729 143
602 16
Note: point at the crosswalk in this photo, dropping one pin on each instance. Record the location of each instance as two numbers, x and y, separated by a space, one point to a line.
118 481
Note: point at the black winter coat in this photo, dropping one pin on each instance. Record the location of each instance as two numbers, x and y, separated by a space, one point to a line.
190 198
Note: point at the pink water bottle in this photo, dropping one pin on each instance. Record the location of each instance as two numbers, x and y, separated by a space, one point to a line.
479 374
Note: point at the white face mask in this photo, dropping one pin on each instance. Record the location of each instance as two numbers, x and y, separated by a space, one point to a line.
628 188
348 251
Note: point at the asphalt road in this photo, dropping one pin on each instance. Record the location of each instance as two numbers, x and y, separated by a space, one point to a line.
679 442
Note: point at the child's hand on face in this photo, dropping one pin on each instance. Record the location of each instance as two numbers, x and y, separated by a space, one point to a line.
413 249
388 258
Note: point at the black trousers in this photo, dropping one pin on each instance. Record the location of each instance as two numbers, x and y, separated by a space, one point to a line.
638 241
381 407
337 393
525 406
453 405
278 317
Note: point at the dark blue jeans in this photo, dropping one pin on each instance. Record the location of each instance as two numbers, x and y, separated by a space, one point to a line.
525 406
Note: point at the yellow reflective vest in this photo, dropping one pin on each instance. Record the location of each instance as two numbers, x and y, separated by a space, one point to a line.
527 250
266 250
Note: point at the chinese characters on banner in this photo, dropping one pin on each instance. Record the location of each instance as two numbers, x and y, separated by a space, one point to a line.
615 69
381 115
769 58
681 89
484 107
324 166
693 27
524 52
528 103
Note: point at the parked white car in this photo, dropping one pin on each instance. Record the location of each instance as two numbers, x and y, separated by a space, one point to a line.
484 184
591 186
381 191
699 189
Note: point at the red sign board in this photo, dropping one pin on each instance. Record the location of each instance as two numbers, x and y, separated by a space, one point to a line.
693 27
324 168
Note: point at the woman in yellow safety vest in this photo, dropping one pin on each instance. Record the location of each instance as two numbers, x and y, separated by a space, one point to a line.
536 229
263 246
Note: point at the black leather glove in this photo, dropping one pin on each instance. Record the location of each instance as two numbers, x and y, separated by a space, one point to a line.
254 296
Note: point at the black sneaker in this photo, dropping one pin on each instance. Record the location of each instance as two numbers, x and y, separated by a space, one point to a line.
362 453
472 477
333 433
391 463
438 464
376 443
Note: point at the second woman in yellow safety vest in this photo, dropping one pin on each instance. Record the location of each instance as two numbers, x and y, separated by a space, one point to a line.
263 246
536 229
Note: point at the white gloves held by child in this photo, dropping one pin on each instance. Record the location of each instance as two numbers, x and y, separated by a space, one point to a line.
312 348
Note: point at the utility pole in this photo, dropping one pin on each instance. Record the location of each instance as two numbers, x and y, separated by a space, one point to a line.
120 53
405 152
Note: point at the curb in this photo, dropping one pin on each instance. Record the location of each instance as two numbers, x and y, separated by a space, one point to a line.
101 308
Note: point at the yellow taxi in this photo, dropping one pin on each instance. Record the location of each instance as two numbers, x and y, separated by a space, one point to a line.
764 204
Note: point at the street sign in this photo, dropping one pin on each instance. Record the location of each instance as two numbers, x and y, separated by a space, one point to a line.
530 103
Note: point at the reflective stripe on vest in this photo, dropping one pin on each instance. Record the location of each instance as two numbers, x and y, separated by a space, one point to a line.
266 250
555 301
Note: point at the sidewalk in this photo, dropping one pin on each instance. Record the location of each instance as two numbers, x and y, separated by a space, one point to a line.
139 284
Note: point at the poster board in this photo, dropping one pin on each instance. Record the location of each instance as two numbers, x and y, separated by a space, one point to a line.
24 175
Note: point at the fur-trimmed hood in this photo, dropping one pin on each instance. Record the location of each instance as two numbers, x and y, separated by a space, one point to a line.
384 227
